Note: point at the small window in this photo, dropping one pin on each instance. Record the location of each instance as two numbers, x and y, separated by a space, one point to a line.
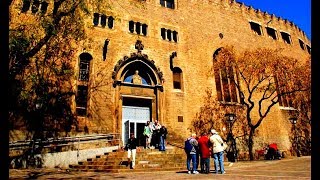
301 44
163 33
256 28
286 37
169 34
26 5
35 6
84 66
138 28
44 7
144 29
177 78
110 22
271 33
131 26
167 3
180 118
103 20
96 19
175 36
308 49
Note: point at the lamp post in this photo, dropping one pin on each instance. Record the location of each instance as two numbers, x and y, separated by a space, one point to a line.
294 121
232 153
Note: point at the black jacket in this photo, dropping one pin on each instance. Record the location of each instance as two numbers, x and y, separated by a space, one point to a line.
132 143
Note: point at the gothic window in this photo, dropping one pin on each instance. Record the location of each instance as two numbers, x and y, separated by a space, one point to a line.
84 66
44 7
81 100
138 28
26 5
104 20
169 35
225 79
271 33
256 28
167 3
301 44
286 37
177 78
284 100
35 5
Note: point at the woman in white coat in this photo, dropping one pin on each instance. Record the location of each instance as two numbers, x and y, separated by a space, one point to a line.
217 149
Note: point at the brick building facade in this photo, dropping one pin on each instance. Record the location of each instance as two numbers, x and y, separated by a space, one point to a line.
170 44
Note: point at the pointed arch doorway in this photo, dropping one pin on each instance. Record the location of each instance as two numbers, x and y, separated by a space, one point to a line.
138 93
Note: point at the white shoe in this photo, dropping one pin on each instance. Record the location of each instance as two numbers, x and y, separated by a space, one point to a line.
195 172
189 172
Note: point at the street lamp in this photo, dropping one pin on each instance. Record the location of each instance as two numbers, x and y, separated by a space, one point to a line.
294 121
232 153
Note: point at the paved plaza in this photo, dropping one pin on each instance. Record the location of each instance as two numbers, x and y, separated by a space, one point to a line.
288 168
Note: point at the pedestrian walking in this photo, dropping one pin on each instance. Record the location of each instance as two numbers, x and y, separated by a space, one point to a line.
132 150
191 145
217 150
204 147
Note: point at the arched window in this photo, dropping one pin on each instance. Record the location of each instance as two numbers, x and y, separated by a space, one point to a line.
177 78
110 22
225 79
84 66
103 20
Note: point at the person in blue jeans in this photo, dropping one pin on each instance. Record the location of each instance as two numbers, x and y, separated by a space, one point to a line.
217 149
163 136
192 155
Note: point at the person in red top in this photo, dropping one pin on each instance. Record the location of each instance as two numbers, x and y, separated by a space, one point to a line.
204 147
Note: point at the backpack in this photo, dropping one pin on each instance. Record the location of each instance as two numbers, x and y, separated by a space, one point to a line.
187 146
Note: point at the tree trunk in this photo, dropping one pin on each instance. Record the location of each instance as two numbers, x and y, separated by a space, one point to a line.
250 144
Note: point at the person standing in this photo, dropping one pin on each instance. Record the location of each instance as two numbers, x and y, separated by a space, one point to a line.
163 136
191 145
132 150
217 149
147 132
156 133
204 147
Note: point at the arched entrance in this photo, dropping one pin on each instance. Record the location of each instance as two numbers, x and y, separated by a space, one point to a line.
138 84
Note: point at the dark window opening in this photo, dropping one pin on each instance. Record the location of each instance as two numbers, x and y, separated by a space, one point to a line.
163 33
131 26
256 28
44 7
96 19
167 3
175 36
177 78
301 44
110 22
144 29
309 49
285 37
271 33
180 118
81 100
26 5
103 20
35 6
169 34
138 28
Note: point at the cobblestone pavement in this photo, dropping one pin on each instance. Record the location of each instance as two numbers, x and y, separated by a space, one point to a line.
293 168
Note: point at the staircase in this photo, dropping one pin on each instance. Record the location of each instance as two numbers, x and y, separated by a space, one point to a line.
173 158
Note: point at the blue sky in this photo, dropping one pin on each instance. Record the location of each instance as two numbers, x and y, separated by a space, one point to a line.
297 11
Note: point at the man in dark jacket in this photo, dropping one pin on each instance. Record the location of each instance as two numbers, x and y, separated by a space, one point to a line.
163 136
132 150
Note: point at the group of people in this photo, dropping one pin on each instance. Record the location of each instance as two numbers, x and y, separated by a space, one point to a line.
205 146
155 135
